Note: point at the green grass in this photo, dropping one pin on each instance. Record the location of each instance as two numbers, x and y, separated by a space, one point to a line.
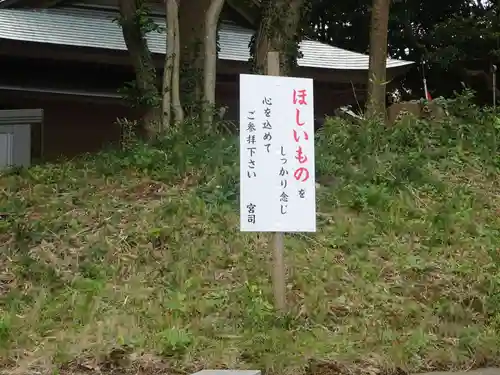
134 261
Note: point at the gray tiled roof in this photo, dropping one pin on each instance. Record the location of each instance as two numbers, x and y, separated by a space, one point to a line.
95 28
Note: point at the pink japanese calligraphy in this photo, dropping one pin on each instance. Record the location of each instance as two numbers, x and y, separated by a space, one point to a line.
301 174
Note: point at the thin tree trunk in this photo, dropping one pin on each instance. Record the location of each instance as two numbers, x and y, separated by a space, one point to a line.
176 98
142 62
171 104
378 59
169 64
210 59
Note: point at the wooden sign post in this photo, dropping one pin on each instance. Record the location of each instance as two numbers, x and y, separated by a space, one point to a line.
278 266
277 174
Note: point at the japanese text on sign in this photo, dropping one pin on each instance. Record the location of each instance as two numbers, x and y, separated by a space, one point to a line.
277 176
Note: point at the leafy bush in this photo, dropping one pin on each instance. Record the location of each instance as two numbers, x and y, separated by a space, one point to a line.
400 154
140 248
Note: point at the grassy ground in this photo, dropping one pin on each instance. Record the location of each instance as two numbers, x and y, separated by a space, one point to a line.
133 261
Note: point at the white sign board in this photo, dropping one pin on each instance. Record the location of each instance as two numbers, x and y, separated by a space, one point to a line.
277 177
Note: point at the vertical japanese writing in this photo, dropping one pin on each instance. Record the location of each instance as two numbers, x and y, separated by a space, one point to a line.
284 181
301 173
251 213
251 144
266 124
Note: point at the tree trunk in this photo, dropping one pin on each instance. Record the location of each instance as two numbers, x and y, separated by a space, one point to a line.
192 36
176 92
142 62
171 94
210 57
378 59
168 68
279 31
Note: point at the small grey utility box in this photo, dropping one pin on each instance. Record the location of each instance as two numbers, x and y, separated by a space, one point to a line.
15 136
228 372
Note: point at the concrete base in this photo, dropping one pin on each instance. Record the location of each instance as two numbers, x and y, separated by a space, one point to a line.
234 372
483 371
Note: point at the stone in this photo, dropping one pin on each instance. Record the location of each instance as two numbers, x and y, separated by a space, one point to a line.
430 111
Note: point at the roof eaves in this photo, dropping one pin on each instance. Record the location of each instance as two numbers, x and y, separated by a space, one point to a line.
97 30
248 9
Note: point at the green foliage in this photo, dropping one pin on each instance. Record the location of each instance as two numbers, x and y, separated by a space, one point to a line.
144 24
474 35
449 36
275 17
140 248
175 341
191 78
407 151
345 25
143 19
131 93
5 330
417 29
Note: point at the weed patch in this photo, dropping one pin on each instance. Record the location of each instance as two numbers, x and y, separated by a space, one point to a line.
133 260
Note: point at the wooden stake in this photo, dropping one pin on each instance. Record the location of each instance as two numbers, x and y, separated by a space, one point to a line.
494 80
279 284
278 271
